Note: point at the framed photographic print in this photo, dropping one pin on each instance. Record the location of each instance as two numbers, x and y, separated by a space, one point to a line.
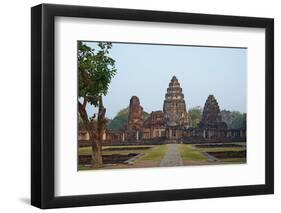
139 106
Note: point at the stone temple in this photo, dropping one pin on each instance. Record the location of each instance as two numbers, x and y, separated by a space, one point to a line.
173 124
174 107
211 115
135 119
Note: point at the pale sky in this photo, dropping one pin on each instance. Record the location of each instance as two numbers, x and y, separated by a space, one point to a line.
145 70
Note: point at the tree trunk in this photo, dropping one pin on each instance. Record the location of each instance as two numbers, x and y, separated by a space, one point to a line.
96 154
94 138
101 127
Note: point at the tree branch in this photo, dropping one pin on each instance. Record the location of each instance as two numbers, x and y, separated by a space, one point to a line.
84 102
102 110
83 112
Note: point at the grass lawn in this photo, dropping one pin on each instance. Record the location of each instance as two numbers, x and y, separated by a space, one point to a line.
151 157
225 149
82 168
240 143
156 153
88 150
190 153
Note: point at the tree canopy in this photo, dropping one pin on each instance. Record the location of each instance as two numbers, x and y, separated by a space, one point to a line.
234 119
195 114
96 70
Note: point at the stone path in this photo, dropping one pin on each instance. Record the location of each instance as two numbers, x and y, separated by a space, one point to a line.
172 157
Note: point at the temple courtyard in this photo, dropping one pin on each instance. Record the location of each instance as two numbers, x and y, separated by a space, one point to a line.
166 155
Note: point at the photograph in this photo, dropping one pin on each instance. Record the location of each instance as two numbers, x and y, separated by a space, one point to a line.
134 105
144 105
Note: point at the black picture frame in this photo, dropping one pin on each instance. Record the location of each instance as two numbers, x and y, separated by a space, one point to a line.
43 102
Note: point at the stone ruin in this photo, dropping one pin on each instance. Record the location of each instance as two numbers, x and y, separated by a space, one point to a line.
135 120
174 107
173 124
155 120
211 117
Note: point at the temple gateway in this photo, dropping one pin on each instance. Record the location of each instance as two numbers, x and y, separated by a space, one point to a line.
173 123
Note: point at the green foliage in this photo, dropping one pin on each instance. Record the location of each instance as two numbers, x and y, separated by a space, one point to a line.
195 114
95 70
121 119
234 119
145 115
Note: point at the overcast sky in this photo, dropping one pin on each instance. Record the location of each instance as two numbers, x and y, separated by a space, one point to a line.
145 70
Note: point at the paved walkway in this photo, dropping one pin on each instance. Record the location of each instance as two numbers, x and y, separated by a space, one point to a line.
172 157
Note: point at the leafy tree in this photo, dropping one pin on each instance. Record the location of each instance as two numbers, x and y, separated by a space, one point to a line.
120 120
145 115
234 119
195 114
239 121
95 71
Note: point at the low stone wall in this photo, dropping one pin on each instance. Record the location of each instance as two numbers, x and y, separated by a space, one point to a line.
84 143
218 145
201 140
228 154
132 143
126 148
125 143
107 159
185 140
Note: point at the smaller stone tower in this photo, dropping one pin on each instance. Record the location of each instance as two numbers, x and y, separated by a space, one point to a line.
211 117
135 119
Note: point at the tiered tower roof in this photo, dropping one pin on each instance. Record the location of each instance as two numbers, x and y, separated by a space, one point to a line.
174 105
211 117
174 91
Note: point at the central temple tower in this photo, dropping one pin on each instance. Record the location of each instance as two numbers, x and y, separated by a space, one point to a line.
174 107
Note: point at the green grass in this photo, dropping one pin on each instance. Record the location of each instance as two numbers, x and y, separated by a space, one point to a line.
155 154
220 149
85 150
132 146
190 153
150 158
88 150
84 168
240 143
